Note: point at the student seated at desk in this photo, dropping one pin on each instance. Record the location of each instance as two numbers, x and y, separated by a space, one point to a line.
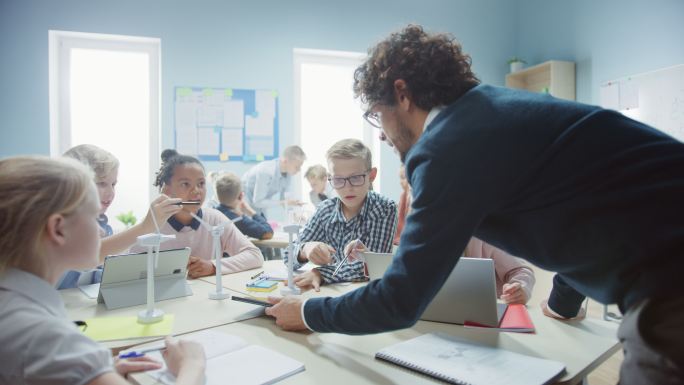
514 279
233 205
50 209
356 214
317 176
182 176
106 169
564 302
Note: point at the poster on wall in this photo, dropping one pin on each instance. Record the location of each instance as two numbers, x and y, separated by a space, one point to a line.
222 124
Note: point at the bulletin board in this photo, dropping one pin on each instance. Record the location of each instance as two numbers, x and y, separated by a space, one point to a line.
222 124
655 98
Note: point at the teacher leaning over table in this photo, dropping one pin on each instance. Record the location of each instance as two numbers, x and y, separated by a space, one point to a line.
572 188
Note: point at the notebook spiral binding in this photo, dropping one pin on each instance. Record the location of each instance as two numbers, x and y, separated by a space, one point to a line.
420 369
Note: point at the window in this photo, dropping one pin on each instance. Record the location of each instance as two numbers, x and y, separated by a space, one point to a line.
325 108
104 90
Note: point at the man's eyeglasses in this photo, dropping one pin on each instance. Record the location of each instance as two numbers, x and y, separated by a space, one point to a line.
354 180
373 118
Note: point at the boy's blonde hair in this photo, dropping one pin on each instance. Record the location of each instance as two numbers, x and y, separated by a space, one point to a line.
316 172
350 149
33 189
294 153
101 161
228 187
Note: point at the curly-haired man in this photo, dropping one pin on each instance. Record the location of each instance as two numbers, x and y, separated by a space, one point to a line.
570 187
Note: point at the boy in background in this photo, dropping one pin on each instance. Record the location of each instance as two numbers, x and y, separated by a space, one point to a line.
233 205
317 176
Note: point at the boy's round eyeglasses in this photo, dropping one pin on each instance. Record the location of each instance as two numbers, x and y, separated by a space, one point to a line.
354 180
373 118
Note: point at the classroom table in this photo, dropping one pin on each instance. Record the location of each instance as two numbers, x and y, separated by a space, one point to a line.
342 359
279 241
191 313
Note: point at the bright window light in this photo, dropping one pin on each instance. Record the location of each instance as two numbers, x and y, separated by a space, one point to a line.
328 111
110 108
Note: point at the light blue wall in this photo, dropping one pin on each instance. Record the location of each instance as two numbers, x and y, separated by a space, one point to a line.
240 44
608 39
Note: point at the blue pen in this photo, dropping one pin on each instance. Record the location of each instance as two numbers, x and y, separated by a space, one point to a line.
140 352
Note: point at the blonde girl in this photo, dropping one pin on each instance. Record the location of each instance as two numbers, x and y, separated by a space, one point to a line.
50 209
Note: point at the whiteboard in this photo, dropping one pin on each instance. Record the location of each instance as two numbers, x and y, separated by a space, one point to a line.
221 124
655 98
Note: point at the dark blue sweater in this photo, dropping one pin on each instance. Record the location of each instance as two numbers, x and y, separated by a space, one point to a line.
585 192
255 226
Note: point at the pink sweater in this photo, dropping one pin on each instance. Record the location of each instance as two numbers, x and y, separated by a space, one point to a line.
243 254
508 268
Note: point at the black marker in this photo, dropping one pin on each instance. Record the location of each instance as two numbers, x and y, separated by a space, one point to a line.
187 203
252 301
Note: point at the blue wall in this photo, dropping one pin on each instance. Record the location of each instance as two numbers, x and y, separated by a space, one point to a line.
248 44
608 39
240 44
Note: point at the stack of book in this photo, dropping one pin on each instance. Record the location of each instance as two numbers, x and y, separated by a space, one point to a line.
262 284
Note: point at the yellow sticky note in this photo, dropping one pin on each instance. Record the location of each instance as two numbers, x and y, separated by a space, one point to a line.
208 91
223 156
183 91
229 92
123 328
259 158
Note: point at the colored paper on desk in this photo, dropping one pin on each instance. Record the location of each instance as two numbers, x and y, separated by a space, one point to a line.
515 319
123 328
262 285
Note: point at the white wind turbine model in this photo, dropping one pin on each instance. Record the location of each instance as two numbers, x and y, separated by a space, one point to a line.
152 241
216 232
291 288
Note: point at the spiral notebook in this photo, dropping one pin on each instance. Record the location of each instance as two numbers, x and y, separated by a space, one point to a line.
457 361
230 359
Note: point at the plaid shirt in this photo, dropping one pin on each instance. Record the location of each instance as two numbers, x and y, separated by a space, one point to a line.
374 226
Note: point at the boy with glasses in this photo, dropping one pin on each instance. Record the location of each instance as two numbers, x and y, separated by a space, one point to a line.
357 217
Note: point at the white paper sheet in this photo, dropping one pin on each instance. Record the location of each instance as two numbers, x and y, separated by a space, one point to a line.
234 114
629 95
610 96
259 146
259 126
265 103
186 141
232 141
207 141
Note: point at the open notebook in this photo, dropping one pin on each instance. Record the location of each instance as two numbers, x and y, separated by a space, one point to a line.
458 361
231 360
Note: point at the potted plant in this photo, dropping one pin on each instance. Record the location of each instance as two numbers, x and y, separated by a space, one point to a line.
128 219
516 64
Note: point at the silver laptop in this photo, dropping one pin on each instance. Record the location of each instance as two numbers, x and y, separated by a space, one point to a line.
469 293
124 279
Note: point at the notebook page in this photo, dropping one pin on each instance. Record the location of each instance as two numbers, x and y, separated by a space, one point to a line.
229 357
215 344
252 365
459 361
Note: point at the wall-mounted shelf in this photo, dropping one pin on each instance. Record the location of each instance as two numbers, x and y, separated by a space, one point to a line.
555 77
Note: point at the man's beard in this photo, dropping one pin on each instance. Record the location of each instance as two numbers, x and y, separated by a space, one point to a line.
406 139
